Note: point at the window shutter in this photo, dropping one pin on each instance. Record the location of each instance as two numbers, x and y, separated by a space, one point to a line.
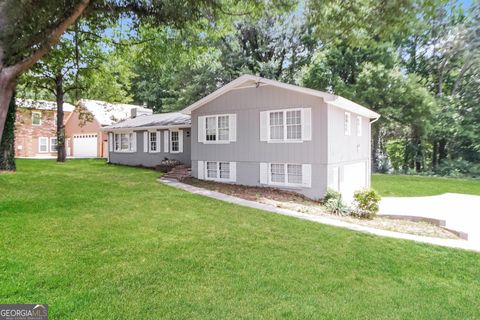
180 140
264 126
307 124
166 141
145 141
263 173
110 142
232 127
134 142
201 129
159 137
233 171
201 170
307 175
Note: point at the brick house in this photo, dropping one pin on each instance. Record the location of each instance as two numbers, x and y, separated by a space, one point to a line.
35 128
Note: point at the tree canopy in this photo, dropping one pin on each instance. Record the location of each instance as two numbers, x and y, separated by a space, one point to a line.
416 62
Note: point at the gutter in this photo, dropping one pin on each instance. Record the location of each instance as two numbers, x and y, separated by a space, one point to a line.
108 129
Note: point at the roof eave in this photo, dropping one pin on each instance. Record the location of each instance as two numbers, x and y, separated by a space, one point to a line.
140 128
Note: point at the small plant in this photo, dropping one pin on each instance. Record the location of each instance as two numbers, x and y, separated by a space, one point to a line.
366 203
334 204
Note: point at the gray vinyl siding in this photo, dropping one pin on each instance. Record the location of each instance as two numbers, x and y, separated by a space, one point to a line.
248 151
147 159
347 149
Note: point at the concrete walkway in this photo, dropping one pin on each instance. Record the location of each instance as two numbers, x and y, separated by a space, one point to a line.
461 244
460 212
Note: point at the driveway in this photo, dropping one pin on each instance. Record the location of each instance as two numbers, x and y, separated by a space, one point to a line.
461 212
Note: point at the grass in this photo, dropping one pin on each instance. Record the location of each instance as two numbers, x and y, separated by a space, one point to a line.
405 185
96 241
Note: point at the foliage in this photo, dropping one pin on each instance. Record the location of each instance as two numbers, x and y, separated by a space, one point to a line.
366 203
334 204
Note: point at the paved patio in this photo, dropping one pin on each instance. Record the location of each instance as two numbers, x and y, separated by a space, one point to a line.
460 212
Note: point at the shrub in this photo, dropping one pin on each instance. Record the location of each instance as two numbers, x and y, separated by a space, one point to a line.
366 203
334 204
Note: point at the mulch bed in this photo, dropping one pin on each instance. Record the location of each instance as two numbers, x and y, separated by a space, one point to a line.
249 192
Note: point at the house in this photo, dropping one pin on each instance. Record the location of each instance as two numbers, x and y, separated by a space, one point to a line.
36 127
260 132
148 139
83 127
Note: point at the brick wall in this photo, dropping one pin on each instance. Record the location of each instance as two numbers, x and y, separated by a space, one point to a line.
27 134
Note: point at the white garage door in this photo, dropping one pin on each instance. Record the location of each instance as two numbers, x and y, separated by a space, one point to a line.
354 178
85 145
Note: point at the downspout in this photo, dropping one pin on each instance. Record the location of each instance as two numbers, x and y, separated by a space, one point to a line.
370 154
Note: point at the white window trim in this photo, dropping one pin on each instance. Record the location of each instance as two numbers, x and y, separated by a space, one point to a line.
39 113
348 129
216 141
359 126
285 170
170 141
120 144
39 144
50 146
157 142
285 140
217 164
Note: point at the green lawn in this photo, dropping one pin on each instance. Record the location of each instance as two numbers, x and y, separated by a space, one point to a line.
405 185
96 241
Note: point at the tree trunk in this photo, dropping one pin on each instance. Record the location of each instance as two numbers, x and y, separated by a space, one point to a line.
442 150
434 155
7 145
61 152
7 85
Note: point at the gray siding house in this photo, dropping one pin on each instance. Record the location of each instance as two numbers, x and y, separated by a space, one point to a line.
148 139
260 132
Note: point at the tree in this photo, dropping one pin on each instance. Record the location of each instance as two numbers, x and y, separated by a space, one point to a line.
7 145
26 37
61 71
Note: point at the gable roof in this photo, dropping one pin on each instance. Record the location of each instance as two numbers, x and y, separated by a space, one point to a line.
109 113
41 105
246 81
159 120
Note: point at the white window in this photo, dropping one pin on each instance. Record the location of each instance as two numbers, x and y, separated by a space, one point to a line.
276 125
220 128
359 126
53 144
152 143
223 128
125 142
211 170
37 119
211 129
294 172
217 128
224 170
220 170
175 141
277 172
42 144
347 123
285 125
286 174
294 125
